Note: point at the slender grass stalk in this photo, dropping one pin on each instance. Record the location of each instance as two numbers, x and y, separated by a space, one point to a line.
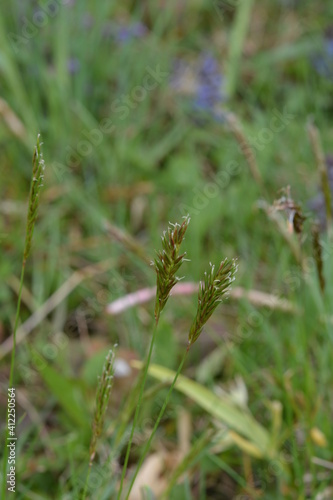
237 41
102 401
144 378
160 415
38 167
166 265
246 148
318 256
212 289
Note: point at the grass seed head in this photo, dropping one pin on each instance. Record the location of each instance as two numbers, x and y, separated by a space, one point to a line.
213 288
168 262
102 400
38 167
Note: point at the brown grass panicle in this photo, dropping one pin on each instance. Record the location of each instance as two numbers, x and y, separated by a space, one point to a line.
215 286
168 262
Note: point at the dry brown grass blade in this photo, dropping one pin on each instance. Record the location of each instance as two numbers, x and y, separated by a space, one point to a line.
27 297
65 289
127 241
263 299
245 147
255 297
12 121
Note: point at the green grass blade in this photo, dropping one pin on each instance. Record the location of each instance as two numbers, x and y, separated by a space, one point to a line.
218 407
237 40
65 391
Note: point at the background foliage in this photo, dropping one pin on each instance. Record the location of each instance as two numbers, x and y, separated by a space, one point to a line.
132 102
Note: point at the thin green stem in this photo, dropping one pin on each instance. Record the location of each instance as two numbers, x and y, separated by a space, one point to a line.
237 40
84 494
144 378
12 364
146 448
11 377
35 186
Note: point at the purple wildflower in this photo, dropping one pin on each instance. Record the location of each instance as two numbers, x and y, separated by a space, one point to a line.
209 88
202 82
73 65
323 62
127 33
123 33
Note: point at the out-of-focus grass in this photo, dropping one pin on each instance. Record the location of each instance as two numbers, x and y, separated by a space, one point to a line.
63 82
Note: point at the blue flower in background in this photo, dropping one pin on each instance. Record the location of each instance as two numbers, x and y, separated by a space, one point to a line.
73 65
209 80
323 62
203 82
126 33
123 33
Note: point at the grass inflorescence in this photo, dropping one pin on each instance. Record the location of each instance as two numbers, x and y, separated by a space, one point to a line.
131 150
102 400
213 288
168 262
38 167
37 177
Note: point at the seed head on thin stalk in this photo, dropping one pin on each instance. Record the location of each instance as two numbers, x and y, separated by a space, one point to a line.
168 262
35 187
38 167
215 286
102 401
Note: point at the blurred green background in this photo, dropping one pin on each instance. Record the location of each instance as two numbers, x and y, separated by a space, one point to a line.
134 103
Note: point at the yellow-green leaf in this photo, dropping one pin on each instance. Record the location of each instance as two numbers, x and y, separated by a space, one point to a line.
218 407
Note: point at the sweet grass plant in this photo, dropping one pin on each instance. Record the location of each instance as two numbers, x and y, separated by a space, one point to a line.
37 178
214 287
59 79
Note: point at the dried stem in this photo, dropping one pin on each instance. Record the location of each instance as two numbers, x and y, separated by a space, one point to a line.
246 148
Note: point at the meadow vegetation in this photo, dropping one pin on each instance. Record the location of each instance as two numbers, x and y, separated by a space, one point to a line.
150 112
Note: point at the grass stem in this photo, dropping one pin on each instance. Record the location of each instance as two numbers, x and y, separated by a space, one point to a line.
160 415
136 415
36 184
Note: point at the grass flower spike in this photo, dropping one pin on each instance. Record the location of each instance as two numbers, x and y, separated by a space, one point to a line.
215 286
168 262
35 187
166 265
212 289
102 401
38 167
